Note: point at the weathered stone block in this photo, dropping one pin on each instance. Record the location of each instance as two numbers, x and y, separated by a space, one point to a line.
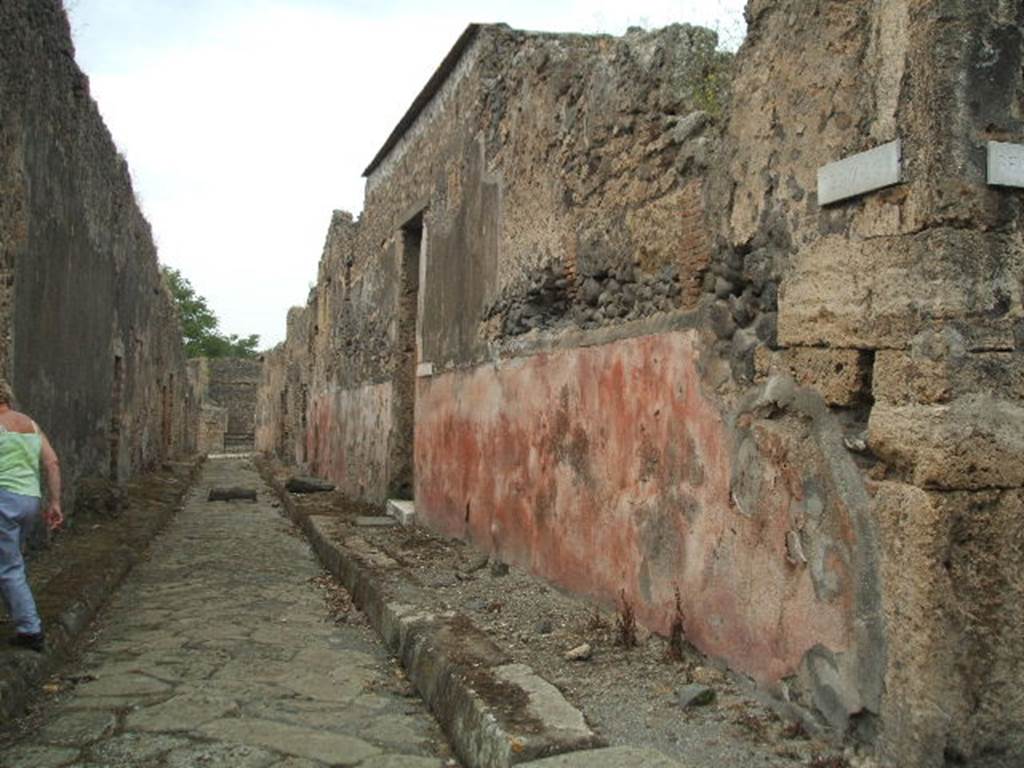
974 442
953 598
308 485
841 376
883 291
904 378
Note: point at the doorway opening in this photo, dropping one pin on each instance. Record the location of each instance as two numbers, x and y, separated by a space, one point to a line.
402 477
114 433
167 418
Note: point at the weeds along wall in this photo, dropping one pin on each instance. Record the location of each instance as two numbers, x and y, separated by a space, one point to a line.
90 336
595 320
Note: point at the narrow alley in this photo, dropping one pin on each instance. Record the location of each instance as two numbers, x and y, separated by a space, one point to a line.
638 397
220 650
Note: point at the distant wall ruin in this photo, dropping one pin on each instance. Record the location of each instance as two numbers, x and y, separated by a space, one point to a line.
90 335
595 318
226 391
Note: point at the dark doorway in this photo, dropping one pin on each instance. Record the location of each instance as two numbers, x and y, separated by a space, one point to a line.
167 419
402 480
114 435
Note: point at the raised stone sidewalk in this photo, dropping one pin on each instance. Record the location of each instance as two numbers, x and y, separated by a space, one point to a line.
497 714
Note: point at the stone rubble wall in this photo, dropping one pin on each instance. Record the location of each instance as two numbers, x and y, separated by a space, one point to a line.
90 335
647 360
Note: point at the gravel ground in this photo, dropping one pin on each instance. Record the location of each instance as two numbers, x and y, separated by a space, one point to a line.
631 696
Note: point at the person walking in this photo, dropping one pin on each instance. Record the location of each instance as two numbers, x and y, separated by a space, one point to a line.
23 446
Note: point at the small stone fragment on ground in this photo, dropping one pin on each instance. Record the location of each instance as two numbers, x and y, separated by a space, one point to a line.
579 653
306 484
475 563
498 568
855 443
232 493
695 695
706 675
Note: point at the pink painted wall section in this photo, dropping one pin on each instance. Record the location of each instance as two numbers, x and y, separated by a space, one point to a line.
606 469
347 438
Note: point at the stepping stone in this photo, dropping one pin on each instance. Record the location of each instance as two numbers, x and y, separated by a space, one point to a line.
304 484
231 494
612 757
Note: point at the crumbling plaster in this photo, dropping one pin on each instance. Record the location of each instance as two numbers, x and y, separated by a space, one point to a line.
650 359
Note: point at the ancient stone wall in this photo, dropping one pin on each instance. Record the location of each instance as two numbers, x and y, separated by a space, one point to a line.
282 398
90 335
901 310
435 188
593 290
233 385
225 391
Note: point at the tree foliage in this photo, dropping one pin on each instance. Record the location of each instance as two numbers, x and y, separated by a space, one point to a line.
200 325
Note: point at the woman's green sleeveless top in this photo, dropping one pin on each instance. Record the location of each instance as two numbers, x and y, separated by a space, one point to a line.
19 462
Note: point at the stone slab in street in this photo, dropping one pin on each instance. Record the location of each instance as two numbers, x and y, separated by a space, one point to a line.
612 757
220 650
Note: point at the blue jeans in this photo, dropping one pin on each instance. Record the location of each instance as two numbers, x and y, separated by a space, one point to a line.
18 513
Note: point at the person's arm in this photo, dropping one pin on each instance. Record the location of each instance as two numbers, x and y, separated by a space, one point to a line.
52 513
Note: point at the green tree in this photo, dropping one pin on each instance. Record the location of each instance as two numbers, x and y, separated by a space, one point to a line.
200 325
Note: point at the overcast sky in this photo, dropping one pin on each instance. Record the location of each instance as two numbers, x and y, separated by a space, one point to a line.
246 122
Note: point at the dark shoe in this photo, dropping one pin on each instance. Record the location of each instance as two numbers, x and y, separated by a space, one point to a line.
35 642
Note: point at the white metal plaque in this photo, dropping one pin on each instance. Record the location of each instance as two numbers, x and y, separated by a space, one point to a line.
857 174
1005 164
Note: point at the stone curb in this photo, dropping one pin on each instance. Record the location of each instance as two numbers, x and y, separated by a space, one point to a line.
66 615
496 713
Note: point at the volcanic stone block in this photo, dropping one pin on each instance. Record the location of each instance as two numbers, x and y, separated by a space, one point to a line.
952 572
308 485
883 291
841 376
905 378
975 442
232 493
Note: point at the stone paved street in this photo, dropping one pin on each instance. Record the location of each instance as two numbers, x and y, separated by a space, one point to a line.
220 651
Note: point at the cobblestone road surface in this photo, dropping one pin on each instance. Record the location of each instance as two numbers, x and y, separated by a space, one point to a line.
220 651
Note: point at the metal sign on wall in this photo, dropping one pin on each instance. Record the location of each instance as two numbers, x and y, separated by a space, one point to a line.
1005 164
861 173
